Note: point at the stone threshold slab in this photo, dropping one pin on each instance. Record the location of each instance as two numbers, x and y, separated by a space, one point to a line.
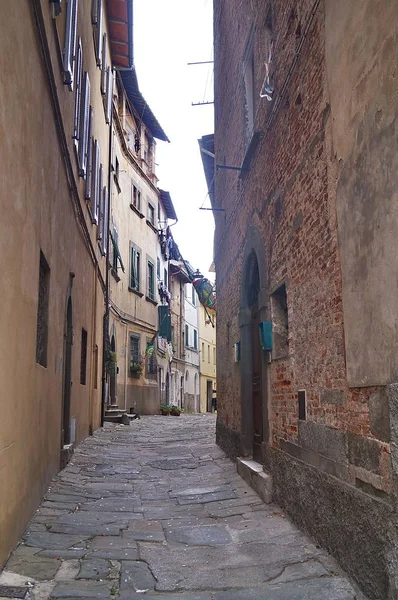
252 472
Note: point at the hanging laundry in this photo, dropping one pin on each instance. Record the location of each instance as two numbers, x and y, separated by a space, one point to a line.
266 89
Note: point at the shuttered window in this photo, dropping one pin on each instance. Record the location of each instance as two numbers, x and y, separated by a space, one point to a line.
90 156
84 125
135 265
103 66
151 280
94 203
68 58
134 348
109 93
79 73
98 29
164 322
100 203
104 237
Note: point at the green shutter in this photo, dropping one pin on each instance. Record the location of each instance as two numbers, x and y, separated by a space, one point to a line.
165 322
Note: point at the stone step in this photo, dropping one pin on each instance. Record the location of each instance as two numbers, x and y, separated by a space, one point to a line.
115 418
252 472
115 411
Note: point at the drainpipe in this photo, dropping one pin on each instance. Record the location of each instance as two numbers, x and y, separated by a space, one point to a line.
107 225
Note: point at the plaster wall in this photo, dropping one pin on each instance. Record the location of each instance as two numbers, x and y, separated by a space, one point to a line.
207 339
38 214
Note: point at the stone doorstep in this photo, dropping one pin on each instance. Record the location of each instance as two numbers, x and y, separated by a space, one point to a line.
252 472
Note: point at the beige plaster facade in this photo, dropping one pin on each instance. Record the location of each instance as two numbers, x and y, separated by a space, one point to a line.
52 261
207 365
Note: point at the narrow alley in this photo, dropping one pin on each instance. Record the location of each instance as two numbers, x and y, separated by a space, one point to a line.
157 511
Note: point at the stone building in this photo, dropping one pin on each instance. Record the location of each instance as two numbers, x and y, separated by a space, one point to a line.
139 296
55 114
305 246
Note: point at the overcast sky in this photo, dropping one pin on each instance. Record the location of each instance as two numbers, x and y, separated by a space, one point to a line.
168 35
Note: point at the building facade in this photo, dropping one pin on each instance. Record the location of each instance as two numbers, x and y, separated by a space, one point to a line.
191 396
306 229
53 236
207 345
139 298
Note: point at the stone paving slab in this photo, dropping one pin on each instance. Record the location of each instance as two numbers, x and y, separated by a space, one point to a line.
155 511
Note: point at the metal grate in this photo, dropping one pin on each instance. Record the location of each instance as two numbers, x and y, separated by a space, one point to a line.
10 591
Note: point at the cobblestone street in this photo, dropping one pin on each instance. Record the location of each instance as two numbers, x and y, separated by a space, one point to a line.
157 511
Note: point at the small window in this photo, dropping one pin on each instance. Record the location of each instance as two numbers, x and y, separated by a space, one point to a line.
135 197
151 213
109 94
69 55
280 325
203 352
186 335
84 125
151 280
193 295
214 356
159 212
208 353
90 156
78 95
158 268
103 65
302 404
135 267
95 187
96 17
83 358
42 311
195 339
134 349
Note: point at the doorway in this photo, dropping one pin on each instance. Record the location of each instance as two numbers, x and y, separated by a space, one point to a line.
209 395
113 376
167 389
67 387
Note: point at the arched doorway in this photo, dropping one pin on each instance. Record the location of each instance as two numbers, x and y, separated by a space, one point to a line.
67 386
113 376
254 298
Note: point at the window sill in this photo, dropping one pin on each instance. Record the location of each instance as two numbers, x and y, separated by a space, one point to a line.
151 300
136 292
151 226
135 209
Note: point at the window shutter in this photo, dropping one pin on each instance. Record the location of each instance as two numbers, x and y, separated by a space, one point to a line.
94 12
103 66
95 184
101 203
164 322
104 237
99 34
79 68
109 93
84 124
70 42
133 274
90 157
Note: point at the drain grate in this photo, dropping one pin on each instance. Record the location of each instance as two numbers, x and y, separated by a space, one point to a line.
13 591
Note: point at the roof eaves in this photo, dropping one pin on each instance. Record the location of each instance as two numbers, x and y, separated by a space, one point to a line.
168 204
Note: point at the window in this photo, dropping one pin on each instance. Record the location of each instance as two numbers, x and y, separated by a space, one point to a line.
116 175
214 356
151 213
159 212
103 65
165 278
165 329
90 156
248 75
134 351
186 335
109 94
135 197
135 267
158 268
195 339
193 295
100 213
280 325
79 81
96 17
302 404
208 353
104 221
42 311
151 367
203 352
151 280
94 192
84 125
115 249
83 358
69 55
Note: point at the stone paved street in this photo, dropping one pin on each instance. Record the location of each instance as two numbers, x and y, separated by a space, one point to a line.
156 511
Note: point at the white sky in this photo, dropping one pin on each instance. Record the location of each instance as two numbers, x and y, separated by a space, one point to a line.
167 35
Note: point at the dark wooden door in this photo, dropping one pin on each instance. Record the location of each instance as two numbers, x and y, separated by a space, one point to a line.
256 388
65 434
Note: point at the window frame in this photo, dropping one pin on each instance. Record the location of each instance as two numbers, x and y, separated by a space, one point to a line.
135 249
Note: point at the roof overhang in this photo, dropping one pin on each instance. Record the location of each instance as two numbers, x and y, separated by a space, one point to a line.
206 145
120 32
130 83
168 204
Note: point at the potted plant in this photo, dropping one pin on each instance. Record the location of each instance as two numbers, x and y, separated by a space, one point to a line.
136 368
110 362
164 409
175 410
